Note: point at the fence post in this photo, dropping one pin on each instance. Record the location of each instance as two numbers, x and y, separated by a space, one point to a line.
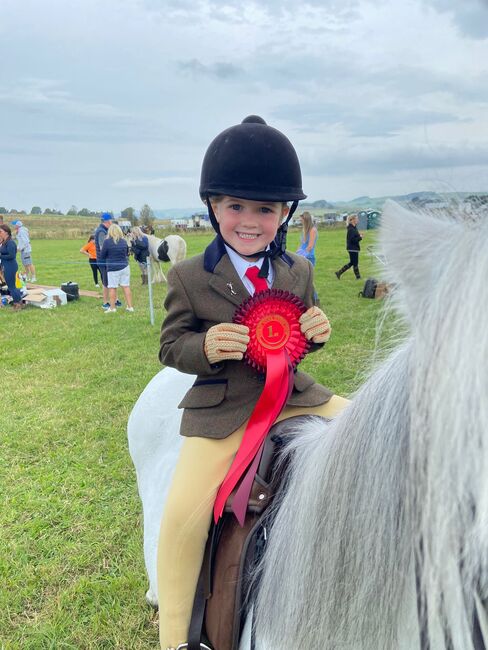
149 284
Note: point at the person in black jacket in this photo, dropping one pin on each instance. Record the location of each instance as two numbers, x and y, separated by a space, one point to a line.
352 247
8 255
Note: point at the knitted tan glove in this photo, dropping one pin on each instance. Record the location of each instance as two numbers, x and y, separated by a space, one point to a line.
226 341
315 325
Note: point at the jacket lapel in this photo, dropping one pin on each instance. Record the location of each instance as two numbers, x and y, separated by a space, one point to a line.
226 282
285 277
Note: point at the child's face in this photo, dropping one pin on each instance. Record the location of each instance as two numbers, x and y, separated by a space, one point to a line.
248 226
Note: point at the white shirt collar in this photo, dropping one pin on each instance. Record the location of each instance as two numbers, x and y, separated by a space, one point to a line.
241 265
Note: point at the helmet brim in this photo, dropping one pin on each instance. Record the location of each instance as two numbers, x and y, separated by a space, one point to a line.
277 194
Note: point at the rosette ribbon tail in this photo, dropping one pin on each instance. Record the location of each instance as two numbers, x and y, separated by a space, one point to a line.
277 388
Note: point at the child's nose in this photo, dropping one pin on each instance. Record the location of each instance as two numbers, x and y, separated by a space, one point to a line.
249 214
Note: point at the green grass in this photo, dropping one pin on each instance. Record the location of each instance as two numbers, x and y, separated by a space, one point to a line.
71 567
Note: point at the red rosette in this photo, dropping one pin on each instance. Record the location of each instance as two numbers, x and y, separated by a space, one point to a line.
273 320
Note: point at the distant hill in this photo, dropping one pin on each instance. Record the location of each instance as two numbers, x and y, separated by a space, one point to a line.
177 213
320 205
353 205
376 203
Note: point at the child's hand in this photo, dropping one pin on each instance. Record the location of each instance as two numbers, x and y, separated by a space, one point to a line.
315 325
226 341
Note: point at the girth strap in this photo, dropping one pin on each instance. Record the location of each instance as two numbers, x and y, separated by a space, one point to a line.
202 593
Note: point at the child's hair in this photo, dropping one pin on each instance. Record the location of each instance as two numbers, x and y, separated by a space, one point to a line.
115 232
307 222
350 217
91 238
215 199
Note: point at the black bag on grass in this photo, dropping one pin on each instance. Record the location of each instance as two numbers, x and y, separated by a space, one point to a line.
369 289
71 290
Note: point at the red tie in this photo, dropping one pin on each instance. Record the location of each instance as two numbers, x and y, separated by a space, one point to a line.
260 284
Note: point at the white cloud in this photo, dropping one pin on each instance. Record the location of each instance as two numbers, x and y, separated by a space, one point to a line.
120 98
470 16
50 95
132 183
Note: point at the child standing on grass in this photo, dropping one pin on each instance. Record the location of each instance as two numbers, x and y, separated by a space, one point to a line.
249 174
90 250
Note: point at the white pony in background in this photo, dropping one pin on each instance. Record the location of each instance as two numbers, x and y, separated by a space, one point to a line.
170 249
381 539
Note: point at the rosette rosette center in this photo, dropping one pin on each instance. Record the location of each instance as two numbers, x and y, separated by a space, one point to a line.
273 320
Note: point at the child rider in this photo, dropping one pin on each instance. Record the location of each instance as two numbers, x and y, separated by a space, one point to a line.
249 173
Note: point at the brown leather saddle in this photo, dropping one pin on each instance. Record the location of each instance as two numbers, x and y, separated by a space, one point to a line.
221 602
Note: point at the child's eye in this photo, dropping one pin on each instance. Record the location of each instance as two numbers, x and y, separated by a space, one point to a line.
235 206
266 210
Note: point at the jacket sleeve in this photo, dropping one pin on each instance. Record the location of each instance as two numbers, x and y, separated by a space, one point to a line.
22 240
104 250
182 340
100 239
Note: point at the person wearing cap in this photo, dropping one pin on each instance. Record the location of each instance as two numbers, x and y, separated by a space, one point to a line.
100 235
250 173
25 249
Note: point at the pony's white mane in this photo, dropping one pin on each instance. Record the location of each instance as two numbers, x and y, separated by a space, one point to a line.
400 475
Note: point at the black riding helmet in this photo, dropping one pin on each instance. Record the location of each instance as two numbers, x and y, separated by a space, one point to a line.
257 162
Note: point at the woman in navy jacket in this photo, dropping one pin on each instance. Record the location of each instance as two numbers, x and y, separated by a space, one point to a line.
115 255
8 254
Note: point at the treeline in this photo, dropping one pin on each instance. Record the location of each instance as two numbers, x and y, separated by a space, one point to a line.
144 218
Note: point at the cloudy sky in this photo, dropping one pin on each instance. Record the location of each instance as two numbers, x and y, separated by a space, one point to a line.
111 103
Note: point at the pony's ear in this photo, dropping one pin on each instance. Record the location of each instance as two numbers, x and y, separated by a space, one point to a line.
416 245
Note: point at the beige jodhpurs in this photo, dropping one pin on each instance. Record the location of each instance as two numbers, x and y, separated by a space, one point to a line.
202 466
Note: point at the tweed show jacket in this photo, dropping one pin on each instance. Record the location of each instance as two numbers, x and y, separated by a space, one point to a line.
204 291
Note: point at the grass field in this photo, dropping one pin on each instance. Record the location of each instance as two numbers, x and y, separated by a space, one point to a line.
71 567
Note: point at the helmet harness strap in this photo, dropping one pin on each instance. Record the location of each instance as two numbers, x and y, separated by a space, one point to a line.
276 249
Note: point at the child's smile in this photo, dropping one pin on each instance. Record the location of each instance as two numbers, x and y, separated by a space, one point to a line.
248 226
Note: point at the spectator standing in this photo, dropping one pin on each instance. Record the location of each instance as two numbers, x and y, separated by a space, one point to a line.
100 236
115 256
140 248
352 246
8 259
90 250
309 238
25 248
